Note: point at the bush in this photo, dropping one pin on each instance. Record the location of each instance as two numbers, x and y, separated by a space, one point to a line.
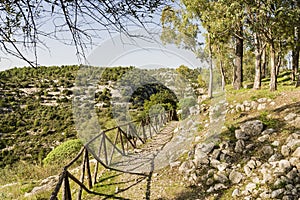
63 153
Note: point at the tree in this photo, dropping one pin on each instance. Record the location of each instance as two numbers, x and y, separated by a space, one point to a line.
25 24
272 22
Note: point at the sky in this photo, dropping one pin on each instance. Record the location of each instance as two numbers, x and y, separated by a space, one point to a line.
111 50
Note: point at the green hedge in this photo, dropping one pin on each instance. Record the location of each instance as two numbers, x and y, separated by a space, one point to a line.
63 153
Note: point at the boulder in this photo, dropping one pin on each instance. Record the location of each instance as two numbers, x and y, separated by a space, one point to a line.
235 177
254 127
239 146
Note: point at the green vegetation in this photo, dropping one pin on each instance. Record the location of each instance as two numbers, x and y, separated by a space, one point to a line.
63 153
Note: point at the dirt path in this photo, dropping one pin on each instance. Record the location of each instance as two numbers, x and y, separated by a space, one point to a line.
143 160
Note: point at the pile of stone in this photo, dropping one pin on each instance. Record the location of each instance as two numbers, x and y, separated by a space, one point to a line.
246 106
253 165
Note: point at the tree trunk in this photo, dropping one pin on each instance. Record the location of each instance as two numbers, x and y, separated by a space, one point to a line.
238 71
210 86
273 80
257 78
222 75
263 63
295 55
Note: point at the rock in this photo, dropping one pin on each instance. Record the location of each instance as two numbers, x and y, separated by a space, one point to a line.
239 146
296 153
235 177
263 138
216 154
214 163
240 135
235 193
45 185
287 197
254 105
254 127
246 103
206 147
261 106
265 195
220 177
262 100
284 165
210 190
175 164
240 108
250 187
267 150
285 150
247 170
276 193
219 186
294 161
268 131
275 157
290 117
292 174
209 181
222 166
276 143
200 158
186 167
251 164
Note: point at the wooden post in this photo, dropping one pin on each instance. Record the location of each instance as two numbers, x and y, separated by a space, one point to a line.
87 163
104 148
79 194
58 186
97 163
66 190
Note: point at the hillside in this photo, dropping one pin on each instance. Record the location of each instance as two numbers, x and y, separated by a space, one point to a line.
254 154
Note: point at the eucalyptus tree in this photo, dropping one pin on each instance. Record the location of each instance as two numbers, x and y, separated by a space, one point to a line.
223 22
26 24
271 23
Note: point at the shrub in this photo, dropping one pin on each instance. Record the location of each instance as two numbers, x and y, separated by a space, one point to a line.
63 153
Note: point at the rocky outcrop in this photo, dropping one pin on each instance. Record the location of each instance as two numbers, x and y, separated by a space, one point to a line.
245 106
256 165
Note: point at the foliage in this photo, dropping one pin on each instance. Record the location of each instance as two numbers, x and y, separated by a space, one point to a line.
63 153
164 99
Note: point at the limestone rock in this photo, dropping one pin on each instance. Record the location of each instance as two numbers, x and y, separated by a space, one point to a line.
290 117
239 146
285 150
296 153
235 177
250 187
240 135
235 193
276 193
254 127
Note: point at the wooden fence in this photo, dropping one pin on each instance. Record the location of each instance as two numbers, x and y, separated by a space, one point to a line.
127 137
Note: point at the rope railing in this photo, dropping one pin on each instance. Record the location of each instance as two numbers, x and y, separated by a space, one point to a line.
126 139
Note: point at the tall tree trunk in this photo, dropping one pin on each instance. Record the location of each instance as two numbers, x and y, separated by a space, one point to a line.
273 80
295 54
238 72
257 78
223 75
263 63
295 63
210 86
